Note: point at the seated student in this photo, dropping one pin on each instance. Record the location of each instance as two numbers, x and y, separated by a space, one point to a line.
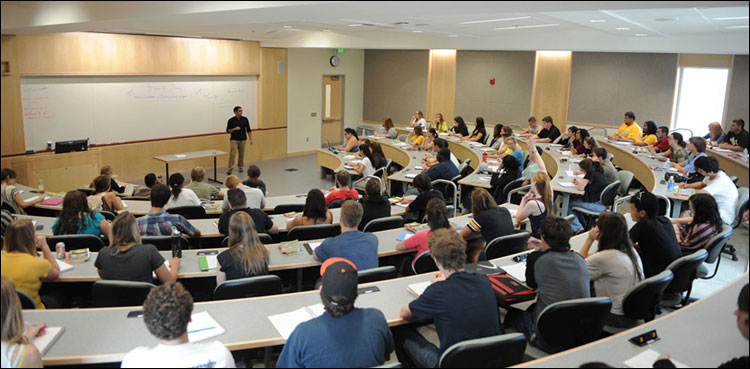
417 120
743 324
429 138
373 159
343 336
113 186
158 222
17 350
440 124
652 235
516 151
166 313
256 199
497 137
697 148
694 232
717 184
629 129
508 171
253 179
12 195
314 212
461 304
238 202
387 129
352 141
601 156
417 137
615 267
341 191
127 259
535 163
374 204
715 133
677 152
445 168
359 247
246 256
417 207
648 137
437 218
533 128
102 199
592 185
556 272
203 190
537 203
7 218
459 128
737 138
579 144
20 262
549 133
429 160
479 134
180 196
76 217
589 145
489 222
662 135
150 180
569 139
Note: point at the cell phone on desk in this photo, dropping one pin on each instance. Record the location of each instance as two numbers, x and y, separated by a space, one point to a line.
135 314
520 258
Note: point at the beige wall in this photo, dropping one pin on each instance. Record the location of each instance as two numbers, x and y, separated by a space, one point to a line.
395 84
738 92
306 69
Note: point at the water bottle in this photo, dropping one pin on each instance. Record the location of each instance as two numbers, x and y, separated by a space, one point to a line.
41 186
744 156
666 166
176 248
670 185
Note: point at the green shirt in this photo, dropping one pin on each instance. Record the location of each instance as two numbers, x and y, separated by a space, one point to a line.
204 190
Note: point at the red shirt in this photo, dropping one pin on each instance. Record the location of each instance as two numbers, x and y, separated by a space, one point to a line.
341 195
663 144
418 241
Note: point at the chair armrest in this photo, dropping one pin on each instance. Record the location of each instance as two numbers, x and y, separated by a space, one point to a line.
517 190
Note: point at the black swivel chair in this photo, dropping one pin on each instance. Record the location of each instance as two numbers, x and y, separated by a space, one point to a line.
26 301
382 224
489 352
715 247
262 285
311 232
87 191
288 208
8 208
642 301
136 198
189 212
514 184
377 274
164 243
607 198
567 324
424 263
685 270
109 293
506 245
77 241
108 215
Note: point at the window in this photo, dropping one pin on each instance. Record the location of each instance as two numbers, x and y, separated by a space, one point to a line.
700 98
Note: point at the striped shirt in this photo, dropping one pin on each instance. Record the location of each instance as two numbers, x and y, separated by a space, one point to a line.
6 220
695 237
160 224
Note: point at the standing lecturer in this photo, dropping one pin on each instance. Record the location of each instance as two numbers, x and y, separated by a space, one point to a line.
236 127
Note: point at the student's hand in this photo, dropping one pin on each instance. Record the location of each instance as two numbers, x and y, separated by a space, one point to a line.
594 233
528 196
41 242
35 330
682 185
575 181
663 357
534 244
174 263
439 277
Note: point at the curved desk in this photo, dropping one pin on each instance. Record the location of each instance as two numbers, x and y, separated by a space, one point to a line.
732 163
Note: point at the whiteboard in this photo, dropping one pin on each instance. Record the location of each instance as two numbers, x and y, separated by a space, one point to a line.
112 109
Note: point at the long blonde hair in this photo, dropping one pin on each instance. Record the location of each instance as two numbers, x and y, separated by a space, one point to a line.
12 331
124 230
20 237
245 245
715 130
542 182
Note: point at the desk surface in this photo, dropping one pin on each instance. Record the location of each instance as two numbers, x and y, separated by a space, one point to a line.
189 155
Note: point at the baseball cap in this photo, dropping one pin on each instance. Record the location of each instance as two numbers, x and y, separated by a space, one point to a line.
339 279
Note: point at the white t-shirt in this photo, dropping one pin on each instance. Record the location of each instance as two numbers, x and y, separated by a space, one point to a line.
186 198
423 123
724 191
7 351
255 198
454 160
369 170
189 355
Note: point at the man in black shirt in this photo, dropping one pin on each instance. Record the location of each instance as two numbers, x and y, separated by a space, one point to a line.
550 131
237 126
238 202
652 235
737 138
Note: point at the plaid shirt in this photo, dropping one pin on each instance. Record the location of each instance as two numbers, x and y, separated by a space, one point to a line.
160 224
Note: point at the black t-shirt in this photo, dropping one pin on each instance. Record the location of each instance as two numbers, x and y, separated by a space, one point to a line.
477 131
373 209
552 133
493 223
261 186
462 306
742 139
657 244
419 205
134 264
242 122
593 190
231 265
113 186
498 183
262 221
463 130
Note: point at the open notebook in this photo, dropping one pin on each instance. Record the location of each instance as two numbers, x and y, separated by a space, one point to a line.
418 288
45 341
286 323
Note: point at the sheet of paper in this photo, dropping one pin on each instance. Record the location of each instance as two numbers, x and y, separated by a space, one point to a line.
211 260
203 326
316 310
517 271
411 175
418 288
45 341
646 359
624 143
721 150
565 153
401 205
349 157
314 245
355 162
64 267
418 168
567 184
286 322
180 155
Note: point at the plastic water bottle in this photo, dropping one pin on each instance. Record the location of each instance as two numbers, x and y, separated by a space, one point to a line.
670 185
666 166
176 248
41 186
744 156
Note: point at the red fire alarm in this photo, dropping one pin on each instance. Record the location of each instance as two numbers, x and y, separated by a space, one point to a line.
492 81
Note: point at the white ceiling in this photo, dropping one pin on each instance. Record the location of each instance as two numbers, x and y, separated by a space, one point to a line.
644 26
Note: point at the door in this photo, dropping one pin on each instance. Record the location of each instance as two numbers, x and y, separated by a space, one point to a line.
333 110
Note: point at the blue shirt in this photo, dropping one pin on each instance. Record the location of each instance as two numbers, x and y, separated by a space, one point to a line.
359 339
358 247
518 154
88 225
690 162
444 170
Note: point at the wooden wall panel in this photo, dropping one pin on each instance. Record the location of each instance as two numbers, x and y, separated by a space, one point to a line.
441 84
12 136
272 96
60 172
272 143
551 90
99 53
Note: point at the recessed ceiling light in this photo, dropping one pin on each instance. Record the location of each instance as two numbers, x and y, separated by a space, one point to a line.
287 27
665 19
641 35
452 35
735 27
536 26
417 31
354 25
597 20
729 18
623 29
495 20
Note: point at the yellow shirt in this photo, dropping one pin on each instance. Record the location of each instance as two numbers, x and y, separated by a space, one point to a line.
444 127
505 149
417 140
649 140
633 131
27 273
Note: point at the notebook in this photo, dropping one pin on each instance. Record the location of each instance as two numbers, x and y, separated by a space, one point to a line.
203 326
404 236
286 323
207 261
45 341
52 202
568 184
411 175
417 289
311 246
517 271
646 359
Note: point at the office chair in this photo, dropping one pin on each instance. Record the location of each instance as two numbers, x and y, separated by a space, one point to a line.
262 285
571 323
164 243
110 293
377 274
506 245
685 270
423 263
311 232
642 301
77 241
382 224
489 352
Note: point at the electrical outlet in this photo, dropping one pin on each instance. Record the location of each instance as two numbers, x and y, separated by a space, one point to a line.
313 114
307 139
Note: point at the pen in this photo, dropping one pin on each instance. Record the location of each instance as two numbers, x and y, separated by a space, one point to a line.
199 330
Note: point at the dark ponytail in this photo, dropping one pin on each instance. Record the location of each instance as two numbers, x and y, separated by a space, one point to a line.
175 183
589 166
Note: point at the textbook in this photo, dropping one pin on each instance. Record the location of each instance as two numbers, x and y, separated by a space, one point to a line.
207 260
418 288
286 323
45 341
203 326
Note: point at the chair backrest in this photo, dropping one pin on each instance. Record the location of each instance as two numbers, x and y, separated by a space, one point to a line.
514 191
138 198
288 208
265 238
109 293
610 193
377 274
189 212
489 352
690 132
382 224
26 301
571 323
664 205
717 243
311 232
512 185
423 263
261 285
335 204
742 197
8 207
164 243
642 300
402 137
626 178
448 188
77 241
685 270
87 191
108 215
507 245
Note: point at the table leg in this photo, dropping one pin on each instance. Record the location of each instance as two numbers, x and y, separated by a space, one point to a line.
299 279
214 179
676 208
167 177
566 201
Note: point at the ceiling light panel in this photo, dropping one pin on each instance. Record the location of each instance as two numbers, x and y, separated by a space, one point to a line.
496 20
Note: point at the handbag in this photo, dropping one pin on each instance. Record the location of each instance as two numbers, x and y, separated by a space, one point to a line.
509 291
